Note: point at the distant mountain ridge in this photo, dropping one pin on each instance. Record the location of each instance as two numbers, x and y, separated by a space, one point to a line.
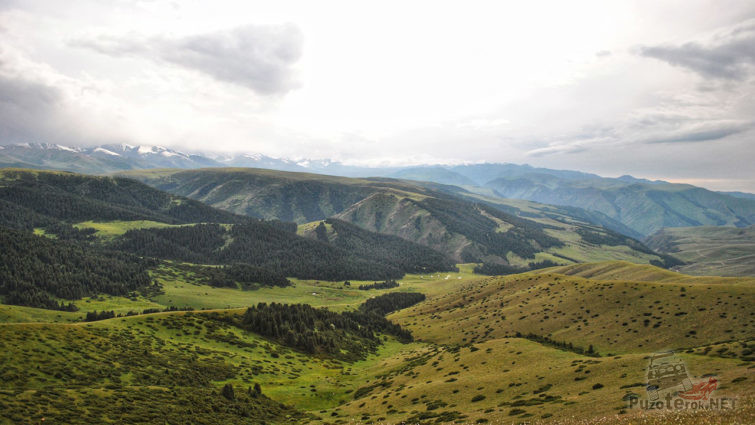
464 226
641 206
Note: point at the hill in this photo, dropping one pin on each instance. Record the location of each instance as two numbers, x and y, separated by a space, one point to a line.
35 198
408 256
210 364
461 225
642 205
68 236
617 309
709 250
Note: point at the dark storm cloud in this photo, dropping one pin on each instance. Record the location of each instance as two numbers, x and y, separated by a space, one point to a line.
258 57
729 55
26 109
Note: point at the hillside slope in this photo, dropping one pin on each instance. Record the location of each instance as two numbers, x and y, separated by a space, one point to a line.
465 228
616 315
709 250
66 236
29 196
642 205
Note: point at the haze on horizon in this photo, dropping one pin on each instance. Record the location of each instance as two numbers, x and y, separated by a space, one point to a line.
660 90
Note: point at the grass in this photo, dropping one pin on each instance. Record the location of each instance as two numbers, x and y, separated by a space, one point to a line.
112 229
663 315
709 250
467 366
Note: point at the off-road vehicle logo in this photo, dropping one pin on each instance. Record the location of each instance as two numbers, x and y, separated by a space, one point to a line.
670 386
666 374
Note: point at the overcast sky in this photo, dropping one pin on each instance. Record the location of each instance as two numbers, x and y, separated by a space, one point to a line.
653 89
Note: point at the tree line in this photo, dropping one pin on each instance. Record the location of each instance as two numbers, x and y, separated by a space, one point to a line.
34 270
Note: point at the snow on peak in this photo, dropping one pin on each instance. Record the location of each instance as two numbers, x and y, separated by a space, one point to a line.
105 151
173 153
64 148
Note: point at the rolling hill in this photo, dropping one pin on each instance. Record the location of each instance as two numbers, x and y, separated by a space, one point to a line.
641 206
709 250
464 226
644 206
67 236
618 307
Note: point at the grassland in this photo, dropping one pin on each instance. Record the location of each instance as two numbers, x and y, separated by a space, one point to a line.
467 365
111 229
614 316
709 250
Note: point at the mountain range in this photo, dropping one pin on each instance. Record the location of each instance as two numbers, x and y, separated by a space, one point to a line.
465 226
641 207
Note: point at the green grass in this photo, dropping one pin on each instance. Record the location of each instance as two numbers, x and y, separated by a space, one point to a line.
709 250
111 229
616 316
466 350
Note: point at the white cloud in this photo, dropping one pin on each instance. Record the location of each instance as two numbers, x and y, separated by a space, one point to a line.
392 82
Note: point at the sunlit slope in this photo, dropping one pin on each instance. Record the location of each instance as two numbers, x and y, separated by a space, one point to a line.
140 370
614 316
513 380
623 270
709 250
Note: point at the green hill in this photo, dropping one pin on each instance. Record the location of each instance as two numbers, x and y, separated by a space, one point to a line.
709 250
461 225
408 256
34 198
625 310
643 207
68 236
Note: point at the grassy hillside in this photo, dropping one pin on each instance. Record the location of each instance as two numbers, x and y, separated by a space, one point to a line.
644 207
268 194
629 312
461 225
408 256
179 362
709 250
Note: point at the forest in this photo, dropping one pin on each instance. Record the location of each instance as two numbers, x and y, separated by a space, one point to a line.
34 269
348 336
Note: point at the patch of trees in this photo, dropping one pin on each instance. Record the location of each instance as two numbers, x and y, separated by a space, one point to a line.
279 252
34 270
390 302
561 345
388 284
93 316
347 336
74 198
492 269
248 276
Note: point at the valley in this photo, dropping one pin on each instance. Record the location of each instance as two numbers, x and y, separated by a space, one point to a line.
219 319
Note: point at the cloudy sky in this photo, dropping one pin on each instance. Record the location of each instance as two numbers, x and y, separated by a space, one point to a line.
653 89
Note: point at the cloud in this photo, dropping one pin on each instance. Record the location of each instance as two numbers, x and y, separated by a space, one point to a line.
728 55
261 58
702 133
26 108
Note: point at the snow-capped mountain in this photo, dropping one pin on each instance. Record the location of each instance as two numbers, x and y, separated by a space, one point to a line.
110 158
99 159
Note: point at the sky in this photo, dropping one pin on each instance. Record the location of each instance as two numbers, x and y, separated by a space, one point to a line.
660 90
